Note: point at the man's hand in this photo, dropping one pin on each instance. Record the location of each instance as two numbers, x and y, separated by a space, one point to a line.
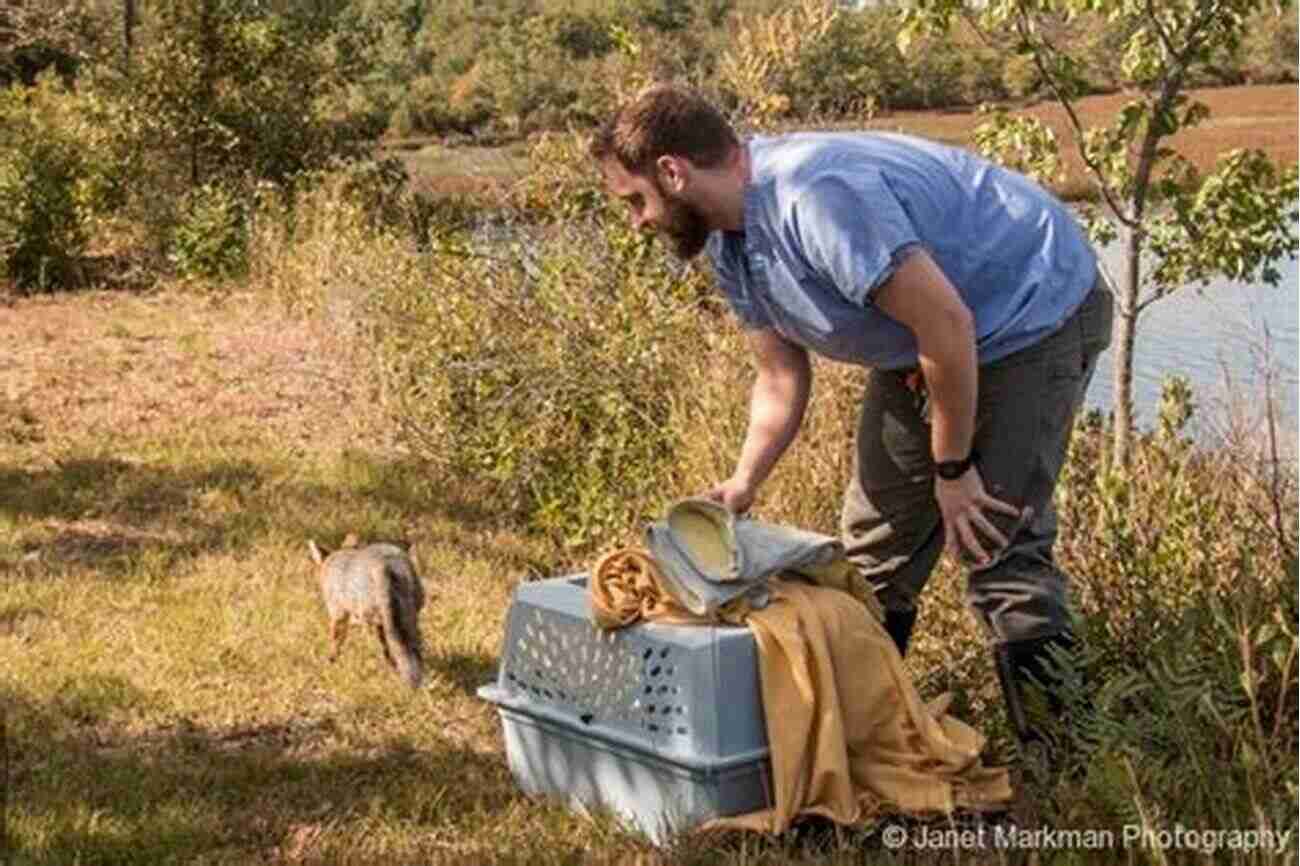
735 495
963 503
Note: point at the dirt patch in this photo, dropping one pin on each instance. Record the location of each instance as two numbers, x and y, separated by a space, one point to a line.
122 366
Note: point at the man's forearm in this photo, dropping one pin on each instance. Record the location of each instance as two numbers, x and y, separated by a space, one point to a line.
776 410
949 365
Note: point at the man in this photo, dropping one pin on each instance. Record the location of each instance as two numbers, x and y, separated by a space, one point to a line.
970 294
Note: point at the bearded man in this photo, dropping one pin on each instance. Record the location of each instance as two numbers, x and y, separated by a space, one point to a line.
971 295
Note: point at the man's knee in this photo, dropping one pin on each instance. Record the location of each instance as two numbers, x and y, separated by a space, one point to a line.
1021 598
895 559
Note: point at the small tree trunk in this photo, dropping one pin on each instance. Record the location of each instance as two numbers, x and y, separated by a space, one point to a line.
128 31
1126 313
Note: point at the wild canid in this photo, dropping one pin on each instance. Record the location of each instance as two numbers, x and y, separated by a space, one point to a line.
375 584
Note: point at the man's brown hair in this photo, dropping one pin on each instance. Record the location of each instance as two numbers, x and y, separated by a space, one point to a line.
665 119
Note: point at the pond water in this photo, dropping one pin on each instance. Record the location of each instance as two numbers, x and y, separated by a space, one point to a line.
1222 338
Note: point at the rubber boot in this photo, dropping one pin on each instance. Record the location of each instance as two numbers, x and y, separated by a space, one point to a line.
899 624
1023 665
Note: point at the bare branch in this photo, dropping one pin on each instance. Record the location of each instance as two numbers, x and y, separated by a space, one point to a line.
1159 293
1099 178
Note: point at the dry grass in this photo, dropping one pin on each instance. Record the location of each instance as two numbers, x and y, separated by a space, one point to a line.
1261 117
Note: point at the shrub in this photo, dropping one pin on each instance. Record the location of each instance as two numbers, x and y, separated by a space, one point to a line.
761 69
328 250
47 187
221 95
545 367
1020 76
42 229
210 239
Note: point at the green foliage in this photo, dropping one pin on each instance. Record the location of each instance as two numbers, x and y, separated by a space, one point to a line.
40 37
666 16
216 98
566 189
1020 77
513 68
1239 221
1025 144
225 90
1199 730
519 70
582 36
544 368
1173 530
51 184
1182 696
42 229
210 239
543 377
778 65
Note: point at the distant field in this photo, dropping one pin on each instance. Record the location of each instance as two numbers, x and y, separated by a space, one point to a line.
1263 117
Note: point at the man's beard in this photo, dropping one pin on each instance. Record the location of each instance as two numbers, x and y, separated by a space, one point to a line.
685 226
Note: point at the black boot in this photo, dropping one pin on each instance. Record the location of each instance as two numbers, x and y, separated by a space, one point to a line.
899 625
1023 665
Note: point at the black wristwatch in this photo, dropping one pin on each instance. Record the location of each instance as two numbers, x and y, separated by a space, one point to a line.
951 470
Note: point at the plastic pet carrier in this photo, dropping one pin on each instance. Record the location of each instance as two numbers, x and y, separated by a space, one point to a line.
661 724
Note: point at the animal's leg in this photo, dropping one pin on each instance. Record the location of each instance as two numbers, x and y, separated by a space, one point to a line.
383 643
338 633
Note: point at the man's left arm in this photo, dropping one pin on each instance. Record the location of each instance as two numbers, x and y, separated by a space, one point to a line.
919 296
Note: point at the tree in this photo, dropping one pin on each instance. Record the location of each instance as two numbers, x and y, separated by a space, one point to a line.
225 90
1177 226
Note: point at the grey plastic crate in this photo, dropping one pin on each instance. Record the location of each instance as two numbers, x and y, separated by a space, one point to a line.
660 724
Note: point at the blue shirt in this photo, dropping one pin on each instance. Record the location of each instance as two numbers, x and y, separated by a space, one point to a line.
828 217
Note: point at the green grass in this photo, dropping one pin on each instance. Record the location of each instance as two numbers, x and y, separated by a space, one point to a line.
507 161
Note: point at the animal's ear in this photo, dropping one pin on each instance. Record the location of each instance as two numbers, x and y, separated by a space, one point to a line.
317 554
352 540
412 553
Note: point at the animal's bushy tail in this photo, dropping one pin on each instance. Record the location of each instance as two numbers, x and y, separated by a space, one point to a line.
402 632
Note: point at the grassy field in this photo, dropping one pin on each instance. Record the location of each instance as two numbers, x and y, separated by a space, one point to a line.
164 458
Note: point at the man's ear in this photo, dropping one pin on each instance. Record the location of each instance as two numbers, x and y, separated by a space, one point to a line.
674 172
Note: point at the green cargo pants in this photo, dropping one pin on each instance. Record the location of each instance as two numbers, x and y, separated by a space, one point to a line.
891 524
